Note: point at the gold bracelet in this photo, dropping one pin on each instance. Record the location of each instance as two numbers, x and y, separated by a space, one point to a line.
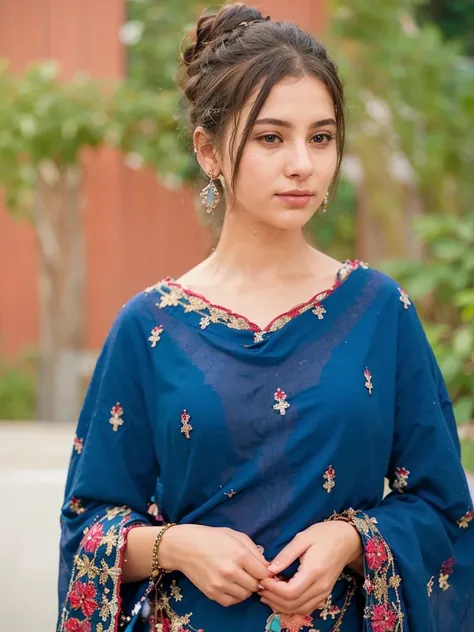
155 567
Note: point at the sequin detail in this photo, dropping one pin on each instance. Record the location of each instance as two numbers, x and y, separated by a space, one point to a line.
319 311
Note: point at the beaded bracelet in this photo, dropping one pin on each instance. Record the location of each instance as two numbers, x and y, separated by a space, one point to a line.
155 567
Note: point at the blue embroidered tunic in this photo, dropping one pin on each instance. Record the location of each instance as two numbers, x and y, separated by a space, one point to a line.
269 432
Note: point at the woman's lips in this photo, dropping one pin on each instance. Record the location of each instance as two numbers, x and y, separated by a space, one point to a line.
297 201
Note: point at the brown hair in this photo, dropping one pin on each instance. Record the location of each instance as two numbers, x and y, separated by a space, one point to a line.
236 49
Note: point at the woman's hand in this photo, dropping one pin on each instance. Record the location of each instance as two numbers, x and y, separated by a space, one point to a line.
324 550
224 564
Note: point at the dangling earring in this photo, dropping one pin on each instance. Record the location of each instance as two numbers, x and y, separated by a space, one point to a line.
324 205
210 195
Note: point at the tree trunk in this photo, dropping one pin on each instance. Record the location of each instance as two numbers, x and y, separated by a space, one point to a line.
59 228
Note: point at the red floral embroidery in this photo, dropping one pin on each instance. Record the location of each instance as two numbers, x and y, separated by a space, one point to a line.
116 419
375 553
74 625
78 444
368 585
75 505
383 618
281 403
294 622
93 538
329 476
401 479
83 596
447 569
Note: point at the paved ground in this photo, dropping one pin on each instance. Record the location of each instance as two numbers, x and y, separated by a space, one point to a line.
33 461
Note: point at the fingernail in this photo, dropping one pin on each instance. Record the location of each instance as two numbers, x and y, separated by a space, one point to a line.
260 587
273 568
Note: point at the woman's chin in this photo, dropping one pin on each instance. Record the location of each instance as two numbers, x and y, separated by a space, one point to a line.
293 219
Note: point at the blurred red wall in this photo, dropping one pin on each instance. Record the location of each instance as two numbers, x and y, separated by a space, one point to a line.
136 231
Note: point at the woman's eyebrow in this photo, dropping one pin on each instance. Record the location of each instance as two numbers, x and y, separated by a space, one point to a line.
274 121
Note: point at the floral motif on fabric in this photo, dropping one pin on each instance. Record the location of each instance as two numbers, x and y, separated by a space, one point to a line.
186 427
298 623
116 419
464 522
174 295
329 610
163 617
401 479
404 298
329 477
295 622
75 505
447 569
429 586
78 444
383 604
155 336
319 311
368 381
92 602
281 405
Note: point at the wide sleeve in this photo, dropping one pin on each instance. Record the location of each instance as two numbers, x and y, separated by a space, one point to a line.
112 475
419 542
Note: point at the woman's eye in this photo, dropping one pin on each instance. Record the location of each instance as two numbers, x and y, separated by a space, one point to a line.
323 139
269 138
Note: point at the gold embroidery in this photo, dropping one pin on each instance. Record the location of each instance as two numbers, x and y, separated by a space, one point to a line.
429 586
186 426
75 504
155 335
281 403
368 381
78 444
463 522
447 569
176 296
258 336
380 572
163 613
404 298
329 476
230 494
116 419
401 479
329 610
319 311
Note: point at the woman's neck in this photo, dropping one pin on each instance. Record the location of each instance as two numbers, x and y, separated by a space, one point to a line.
253 252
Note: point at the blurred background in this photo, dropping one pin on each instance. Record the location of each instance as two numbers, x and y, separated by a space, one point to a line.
98 201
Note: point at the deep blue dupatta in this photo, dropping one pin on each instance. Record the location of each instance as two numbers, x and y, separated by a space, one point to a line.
268 432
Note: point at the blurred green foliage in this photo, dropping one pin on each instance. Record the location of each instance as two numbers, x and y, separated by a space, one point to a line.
454 17
18 387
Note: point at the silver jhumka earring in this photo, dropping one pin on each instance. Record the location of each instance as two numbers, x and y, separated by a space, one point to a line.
325 202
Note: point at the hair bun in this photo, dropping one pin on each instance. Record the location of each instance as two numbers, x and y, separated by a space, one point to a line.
214 26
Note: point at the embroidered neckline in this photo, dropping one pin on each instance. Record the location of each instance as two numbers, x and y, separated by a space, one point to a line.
173 294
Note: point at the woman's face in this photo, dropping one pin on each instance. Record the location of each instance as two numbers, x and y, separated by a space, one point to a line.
291 150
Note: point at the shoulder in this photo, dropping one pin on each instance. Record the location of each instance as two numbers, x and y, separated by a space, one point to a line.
388 288
139 312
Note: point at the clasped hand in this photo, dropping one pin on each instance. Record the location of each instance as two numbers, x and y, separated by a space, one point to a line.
228 567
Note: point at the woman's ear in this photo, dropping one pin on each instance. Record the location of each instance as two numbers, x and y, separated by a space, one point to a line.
205 152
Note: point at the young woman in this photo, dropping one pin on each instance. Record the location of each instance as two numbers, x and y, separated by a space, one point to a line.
271 390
